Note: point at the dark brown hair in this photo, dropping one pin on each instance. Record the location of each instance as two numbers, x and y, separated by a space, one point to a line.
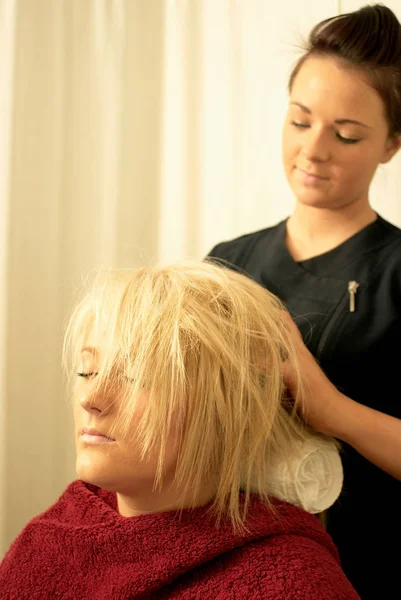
368 40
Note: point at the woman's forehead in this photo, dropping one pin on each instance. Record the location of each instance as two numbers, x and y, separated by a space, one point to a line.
323 84
96 342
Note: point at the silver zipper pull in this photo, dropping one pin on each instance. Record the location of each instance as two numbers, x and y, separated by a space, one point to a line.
352 288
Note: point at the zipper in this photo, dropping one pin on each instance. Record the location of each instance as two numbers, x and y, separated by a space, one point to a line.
348 298
352 289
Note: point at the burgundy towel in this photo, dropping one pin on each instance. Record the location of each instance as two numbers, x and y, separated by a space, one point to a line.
82 549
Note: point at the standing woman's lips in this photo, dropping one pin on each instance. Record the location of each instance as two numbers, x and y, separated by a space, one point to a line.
93 436
312 175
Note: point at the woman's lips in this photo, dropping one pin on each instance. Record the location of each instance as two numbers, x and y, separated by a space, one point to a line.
92 436
311 178
89 438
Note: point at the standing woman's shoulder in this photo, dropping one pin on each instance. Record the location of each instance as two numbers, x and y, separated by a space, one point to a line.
390 229
385 265
389 247
234 253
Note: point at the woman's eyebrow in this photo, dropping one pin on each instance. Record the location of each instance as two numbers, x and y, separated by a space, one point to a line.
90 349
352 122
307 110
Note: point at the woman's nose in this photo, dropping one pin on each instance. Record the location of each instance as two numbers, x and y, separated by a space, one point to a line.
89 404
316 147
98 401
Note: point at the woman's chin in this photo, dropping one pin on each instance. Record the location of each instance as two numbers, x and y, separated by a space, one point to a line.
93 473
314 198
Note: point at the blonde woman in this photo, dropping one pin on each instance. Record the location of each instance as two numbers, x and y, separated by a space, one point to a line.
181 428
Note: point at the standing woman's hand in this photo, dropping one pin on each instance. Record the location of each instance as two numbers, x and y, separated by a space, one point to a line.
319 398
375 435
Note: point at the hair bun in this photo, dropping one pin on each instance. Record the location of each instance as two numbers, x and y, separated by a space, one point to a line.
369 35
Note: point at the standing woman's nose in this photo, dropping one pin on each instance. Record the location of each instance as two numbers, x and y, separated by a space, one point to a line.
316 145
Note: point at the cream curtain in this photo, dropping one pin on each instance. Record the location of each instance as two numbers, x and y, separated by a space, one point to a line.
132 131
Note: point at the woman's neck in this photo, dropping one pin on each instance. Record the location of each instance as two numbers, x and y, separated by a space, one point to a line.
313 231
167 499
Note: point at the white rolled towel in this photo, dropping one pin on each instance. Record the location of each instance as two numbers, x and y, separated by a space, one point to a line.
313 479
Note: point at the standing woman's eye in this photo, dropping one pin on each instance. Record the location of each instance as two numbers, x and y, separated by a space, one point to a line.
300 125
347 140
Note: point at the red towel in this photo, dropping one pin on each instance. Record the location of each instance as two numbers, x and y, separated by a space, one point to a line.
82 549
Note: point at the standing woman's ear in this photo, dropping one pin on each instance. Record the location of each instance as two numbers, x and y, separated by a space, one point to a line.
393 144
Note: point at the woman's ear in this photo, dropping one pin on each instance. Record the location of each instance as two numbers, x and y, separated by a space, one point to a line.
393 144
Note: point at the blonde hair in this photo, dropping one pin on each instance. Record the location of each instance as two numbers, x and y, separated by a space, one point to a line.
207 344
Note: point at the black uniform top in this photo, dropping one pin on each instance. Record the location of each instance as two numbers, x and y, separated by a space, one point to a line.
359 348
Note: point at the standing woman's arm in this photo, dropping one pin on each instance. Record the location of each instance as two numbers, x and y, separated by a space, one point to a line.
373 434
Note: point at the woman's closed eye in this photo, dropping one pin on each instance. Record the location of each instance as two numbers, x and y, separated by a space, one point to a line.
85 375
347 140
300 125
344 139
90 375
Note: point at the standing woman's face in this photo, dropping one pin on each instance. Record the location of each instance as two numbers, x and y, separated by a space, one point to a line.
335 135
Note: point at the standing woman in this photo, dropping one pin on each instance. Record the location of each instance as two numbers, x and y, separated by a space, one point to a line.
337 264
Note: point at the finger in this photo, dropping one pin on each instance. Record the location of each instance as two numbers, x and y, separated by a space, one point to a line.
292 326
290 376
